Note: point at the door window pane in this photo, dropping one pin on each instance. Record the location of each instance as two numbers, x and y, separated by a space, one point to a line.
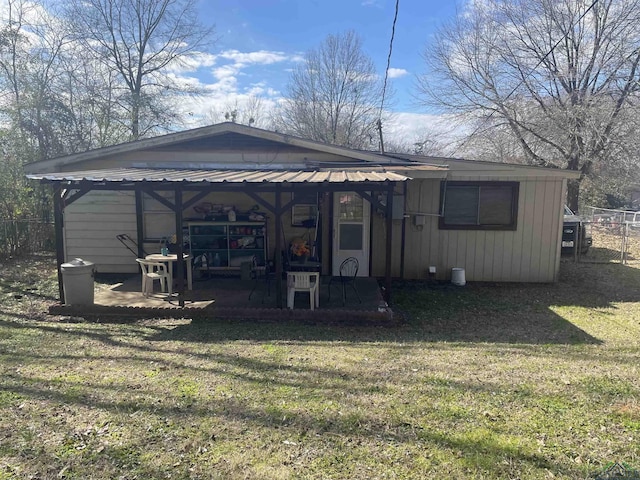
351 208
351 236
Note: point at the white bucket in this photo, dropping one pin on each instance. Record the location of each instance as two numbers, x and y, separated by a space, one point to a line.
457 276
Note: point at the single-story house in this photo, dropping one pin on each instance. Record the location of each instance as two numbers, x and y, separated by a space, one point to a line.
400 215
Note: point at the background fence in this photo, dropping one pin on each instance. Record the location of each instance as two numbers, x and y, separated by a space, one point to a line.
22 237
615 237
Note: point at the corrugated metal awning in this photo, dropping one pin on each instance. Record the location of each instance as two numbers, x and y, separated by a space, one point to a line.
133 175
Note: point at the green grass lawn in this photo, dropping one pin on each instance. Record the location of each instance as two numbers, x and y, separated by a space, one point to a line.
484 381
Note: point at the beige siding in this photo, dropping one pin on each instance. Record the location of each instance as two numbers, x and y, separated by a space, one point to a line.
91 224
528 254
94 220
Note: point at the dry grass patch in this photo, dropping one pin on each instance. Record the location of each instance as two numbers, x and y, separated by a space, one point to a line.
486 381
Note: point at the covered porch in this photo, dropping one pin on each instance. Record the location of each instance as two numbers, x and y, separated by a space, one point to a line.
234 298
276 191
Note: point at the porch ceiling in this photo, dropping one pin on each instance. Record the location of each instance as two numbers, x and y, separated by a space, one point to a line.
128 175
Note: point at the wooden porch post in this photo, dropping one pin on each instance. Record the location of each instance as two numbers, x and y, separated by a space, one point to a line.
389 246
403 233
139 222
58 222
278 246
179 244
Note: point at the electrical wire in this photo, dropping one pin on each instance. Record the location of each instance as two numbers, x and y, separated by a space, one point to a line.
386 74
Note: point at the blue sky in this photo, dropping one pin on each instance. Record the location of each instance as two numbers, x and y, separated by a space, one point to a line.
259 41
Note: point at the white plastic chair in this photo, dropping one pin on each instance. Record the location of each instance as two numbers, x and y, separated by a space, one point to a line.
154 271
303 282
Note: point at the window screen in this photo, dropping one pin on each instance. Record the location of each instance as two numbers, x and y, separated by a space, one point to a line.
479 205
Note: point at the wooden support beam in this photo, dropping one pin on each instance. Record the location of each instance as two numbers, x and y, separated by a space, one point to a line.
199 196
160 198
262 187
69 199
58 225
139 223
260 200
331 233
403 233
179 241
278 247
372 198
389 246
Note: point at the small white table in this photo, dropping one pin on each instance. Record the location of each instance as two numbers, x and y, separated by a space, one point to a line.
169 259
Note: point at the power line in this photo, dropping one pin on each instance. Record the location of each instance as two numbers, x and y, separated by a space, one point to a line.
386 74
544 57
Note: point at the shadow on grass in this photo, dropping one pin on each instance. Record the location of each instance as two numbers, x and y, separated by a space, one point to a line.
479 312
433 312
546 329
484 449
522 315
25 291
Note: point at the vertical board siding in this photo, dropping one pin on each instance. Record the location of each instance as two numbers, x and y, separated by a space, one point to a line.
539 232
93 221
528 254
91 224
527 201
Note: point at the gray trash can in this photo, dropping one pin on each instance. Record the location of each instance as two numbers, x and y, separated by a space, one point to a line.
77 281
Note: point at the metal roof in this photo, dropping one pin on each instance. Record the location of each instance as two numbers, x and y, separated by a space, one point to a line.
122 175
241 136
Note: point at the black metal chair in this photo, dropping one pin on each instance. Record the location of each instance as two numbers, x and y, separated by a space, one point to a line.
258 273
348 273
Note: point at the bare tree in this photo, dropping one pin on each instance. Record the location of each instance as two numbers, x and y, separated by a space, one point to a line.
34 118
91 91
249 110
334 95
142 40
559 75
30 63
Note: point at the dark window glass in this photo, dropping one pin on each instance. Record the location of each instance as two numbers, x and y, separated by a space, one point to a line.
461 206
351 236
479 205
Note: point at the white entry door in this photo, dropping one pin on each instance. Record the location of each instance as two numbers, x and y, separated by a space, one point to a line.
351 215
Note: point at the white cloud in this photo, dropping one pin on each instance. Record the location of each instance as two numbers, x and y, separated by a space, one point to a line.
230 65
228 89
397 72
194 62
225 72
408 127
261 57
404 128
257 89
